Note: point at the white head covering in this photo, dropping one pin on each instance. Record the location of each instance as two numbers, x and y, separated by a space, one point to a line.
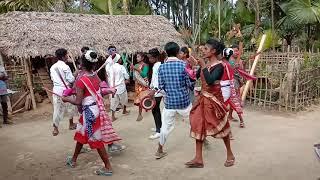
116 58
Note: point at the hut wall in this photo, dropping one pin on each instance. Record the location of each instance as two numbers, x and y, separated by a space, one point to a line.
286 81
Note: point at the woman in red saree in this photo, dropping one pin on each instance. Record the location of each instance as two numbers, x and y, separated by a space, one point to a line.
94 127
230 94
208 116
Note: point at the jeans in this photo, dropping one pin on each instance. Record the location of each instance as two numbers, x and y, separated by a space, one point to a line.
157 114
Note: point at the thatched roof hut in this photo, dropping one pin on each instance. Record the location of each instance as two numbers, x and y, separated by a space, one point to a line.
25 34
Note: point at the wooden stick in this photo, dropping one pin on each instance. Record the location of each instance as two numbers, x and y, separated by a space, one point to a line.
19 110
51 91
256 59
73 62
20 99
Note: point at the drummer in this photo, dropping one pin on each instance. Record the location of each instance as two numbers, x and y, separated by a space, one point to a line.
154 61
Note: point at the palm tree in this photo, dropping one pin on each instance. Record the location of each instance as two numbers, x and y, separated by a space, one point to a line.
303 12
125 7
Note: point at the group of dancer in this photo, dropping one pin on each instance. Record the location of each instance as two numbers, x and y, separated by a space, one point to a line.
170 79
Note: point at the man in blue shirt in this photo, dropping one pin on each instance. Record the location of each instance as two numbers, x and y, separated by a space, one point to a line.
175 82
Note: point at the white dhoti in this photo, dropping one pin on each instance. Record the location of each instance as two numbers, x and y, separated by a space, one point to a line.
119 99
60 108
168 118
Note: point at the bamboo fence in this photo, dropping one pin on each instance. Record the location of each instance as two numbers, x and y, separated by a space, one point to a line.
286 81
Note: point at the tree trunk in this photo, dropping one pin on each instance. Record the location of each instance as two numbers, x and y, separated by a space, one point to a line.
168 9
309 37
59 6
110 8
81 6
184 14
257 23
125 7
272 25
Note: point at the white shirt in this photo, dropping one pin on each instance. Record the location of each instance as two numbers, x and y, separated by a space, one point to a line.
66 74
154 80
117 76
109 62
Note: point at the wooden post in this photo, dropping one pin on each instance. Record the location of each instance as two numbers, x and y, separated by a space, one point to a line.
29 82
9 105
246 88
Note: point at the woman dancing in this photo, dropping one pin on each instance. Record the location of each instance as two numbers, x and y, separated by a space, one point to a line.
208 116
236 63
230 93
94 127
141 70
185 56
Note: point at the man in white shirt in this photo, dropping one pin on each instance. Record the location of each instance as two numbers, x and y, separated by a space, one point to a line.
117 77
61 75
154 58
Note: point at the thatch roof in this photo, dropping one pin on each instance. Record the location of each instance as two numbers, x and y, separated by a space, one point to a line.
25 34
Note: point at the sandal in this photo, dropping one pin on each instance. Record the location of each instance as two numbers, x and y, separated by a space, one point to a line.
229 163
195 165
70 163
242 125
103 172
55 132
160 155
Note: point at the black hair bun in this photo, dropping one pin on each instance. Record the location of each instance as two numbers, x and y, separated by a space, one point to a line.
93 55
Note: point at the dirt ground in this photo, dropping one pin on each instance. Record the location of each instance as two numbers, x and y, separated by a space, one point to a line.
273 146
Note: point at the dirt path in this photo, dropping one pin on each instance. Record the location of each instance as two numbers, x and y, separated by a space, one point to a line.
273 146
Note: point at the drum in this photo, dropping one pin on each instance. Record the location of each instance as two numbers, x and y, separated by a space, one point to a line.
148 103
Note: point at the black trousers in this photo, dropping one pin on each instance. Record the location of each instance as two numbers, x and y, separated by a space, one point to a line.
157 114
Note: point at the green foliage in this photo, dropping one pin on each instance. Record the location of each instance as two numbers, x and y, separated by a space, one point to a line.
270 38
26 5
136 7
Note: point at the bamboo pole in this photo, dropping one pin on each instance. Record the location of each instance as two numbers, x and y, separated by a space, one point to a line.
255 62
29 83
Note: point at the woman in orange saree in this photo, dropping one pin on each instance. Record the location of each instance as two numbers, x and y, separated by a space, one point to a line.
141 70
209 115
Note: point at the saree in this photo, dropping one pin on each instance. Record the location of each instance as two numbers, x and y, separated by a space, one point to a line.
208 116
234 100
141 86
94 127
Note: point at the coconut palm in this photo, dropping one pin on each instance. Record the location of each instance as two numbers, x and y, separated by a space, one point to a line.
301 13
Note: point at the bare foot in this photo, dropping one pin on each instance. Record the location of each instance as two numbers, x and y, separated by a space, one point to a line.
125 112
114 119
72 126
139 118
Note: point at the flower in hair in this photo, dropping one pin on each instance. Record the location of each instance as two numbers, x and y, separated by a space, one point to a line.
89 58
